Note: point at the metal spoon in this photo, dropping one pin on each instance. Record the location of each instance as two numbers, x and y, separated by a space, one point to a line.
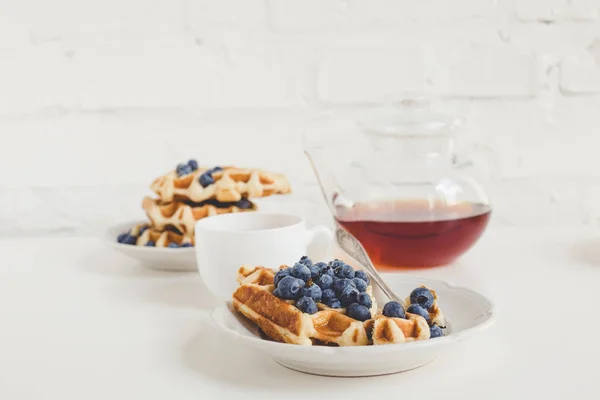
352 246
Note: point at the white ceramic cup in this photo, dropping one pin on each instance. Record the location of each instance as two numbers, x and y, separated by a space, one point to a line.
226 242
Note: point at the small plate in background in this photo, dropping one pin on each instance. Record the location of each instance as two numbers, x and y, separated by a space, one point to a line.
161 258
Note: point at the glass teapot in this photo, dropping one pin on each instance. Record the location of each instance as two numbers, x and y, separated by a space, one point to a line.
402 190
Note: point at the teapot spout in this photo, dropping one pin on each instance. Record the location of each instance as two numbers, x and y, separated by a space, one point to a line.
324 175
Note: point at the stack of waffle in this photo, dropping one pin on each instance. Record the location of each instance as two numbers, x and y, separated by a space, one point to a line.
282 321
190 193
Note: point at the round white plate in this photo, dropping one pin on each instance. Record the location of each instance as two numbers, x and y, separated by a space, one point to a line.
180 259
467 312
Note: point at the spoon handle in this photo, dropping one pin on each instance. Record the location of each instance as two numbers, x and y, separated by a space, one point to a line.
352 246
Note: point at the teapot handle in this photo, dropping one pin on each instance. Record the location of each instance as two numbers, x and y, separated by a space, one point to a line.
466 159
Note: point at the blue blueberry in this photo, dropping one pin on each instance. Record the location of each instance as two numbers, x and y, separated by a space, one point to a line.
130 239
358 312
244 204
435 331
362 275
193 164
121 237
360 285
289 287
184 169
306 261
276 293
336 263
187 245
334 303
301 271
344 271
216 169
324 281
281 274
418 310
393 309
364 300
142 230
327 295
150 243
321 265
349 295
423 297
206 179
327 270
340 284
173 245
312 291
314 272
307 305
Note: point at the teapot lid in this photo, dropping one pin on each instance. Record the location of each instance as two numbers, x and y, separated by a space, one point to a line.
408 117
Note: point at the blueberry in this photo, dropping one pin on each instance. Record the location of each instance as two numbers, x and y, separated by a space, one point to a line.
358 312
307 305
327 295
306 261
334 303
280 274
324 281
130 239
340 284
312 291
327 270
435 331
150 243
216 169
276 293
336 263
193 164
418 310
121 237
362 275
289 287
244 204
173 245
321 265
364 300
314 272
187 245
393 309
142 230
360 284
423 297
301 271
206 179
344 271
349 295
184 169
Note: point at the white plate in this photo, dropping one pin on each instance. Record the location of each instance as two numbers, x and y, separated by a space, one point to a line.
466 311
180 259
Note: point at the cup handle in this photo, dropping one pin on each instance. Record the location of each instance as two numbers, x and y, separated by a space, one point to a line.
318 242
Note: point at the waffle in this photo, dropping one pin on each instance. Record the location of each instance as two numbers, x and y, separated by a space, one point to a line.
281 321
230 185
183 216
161 238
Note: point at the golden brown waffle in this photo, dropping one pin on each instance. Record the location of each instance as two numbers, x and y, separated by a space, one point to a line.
161 238
183 216
281 321
230 185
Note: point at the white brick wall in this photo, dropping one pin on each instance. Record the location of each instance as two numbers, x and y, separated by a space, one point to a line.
98 97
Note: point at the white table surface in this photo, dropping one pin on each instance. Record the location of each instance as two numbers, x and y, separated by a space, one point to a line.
80 321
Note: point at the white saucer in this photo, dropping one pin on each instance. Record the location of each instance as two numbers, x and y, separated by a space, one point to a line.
180 259
466 311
